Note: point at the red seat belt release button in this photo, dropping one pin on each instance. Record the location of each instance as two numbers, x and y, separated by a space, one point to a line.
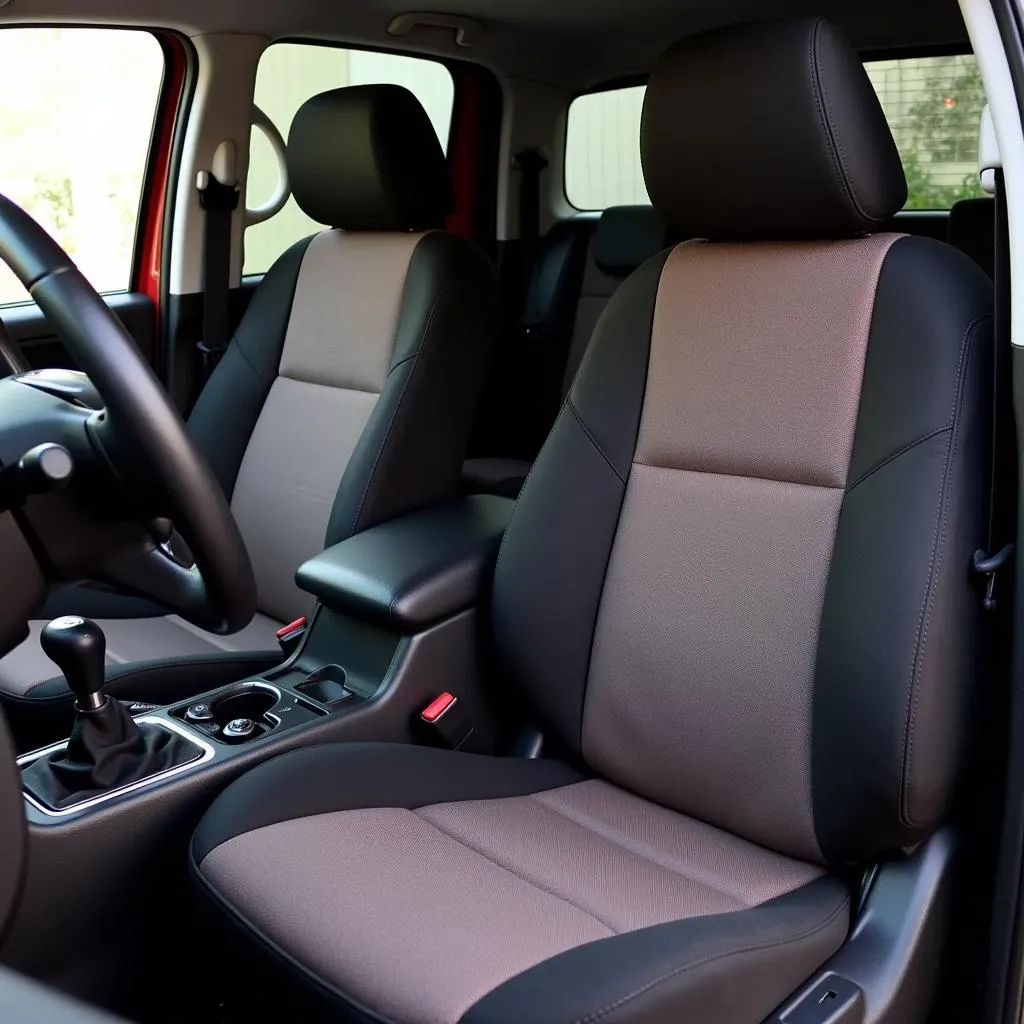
290 636
446 722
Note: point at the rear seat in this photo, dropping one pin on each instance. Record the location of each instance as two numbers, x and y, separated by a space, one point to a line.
972 229
624 238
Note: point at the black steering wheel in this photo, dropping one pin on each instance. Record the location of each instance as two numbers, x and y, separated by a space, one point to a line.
134 485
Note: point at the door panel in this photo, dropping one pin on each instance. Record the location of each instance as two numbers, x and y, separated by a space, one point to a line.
42 348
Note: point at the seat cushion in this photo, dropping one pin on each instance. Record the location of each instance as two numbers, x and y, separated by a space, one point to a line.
132 640
431 881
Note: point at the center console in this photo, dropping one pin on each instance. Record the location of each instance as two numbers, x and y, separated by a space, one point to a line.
397 623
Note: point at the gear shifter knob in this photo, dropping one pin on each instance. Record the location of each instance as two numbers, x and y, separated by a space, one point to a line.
78 647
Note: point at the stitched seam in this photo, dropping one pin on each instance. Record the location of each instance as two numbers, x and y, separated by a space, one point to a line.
421 350
740 476
895 455
752 948
648 858
303 247
551 435
934 565
322 384
592 439
529 881
526 483
820 102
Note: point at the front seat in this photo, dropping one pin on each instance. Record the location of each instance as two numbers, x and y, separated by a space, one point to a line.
345 397
735 594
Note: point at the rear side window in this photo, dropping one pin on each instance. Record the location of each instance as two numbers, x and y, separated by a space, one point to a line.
77 107
933 105
291 73
602 150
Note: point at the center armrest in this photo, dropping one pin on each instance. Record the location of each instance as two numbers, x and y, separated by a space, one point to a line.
412 572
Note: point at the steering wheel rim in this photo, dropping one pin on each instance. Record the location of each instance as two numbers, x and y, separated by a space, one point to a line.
142 437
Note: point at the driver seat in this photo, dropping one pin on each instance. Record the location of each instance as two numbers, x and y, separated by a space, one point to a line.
344 399
735 593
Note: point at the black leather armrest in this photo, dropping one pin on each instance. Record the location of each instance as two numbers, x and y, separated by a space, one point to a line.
414 571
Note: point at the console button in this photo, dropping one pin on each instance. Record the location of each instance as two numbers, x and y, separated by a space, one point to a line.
239 728
199 713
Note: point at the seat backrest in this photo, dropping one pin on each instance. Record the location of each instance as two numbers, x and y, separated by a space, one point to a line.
738 579
347 393
972 229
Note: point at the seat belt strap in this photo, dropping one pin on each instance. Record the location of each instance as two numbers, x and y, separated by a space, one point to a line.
530 163
1002 479
220 202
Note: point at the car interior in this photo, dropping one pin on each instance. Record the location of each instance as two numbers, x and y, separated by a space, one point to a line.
508 513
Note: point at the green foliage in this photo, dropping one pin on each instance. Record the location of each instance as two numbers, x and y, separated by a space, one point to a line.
924 193
942 128
57 194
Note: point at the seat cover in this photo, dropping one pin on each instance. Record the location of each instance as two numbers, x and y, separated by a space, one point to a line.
346 396
466 894
735 590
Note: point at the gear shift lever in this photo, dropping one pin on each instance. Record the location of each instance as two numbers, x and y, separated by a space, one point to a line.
78 646
107 750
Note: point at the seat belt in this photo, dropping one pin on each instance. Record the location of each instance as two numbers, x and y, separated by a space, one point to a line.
1003 471
220 201
530 163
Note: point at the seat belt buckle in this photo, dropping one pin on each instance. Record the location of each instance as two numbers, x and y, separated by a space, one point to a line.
290 637
211 353
987 567
446 721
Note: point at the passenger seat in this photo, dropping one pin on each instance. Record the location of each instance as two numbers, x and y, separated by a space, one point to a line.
625 237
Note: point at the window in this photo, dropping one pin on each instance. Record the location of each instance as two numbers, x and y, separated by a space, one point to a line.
933 105
602 150
77 107
288 75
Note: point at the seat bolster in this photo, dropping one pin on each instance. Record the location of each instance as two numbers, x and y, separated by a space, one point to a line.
225 414
353 776
728 968
410 453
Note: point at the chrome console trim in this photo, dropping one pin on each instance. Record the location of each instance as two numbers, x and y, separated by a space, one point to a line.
205 752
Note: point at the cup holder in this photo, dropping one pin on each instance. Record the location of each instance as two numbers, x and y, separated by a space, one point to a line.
238 713
244 703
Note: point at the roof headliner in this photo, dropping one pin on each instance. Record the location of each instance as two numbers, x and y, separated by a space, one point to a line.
570 43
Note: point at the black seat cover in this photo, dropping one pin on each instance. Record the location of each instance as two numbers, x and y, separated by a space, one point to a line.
735 590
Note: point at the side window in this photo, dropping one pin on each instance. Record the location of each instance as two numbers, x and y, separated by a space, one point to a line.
77 107
602 149
933 105
291 73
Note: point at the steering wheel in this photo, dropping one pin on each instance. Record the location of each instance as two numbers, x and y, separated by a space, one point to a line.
128 481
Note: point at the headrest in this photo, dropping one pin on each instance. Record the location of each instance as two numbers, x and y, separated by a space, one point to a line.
366 158
627 236
769 130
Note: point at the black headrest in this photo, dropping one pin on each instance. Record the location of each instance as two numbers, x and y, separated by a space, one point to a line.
769 130
367 158
627 236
